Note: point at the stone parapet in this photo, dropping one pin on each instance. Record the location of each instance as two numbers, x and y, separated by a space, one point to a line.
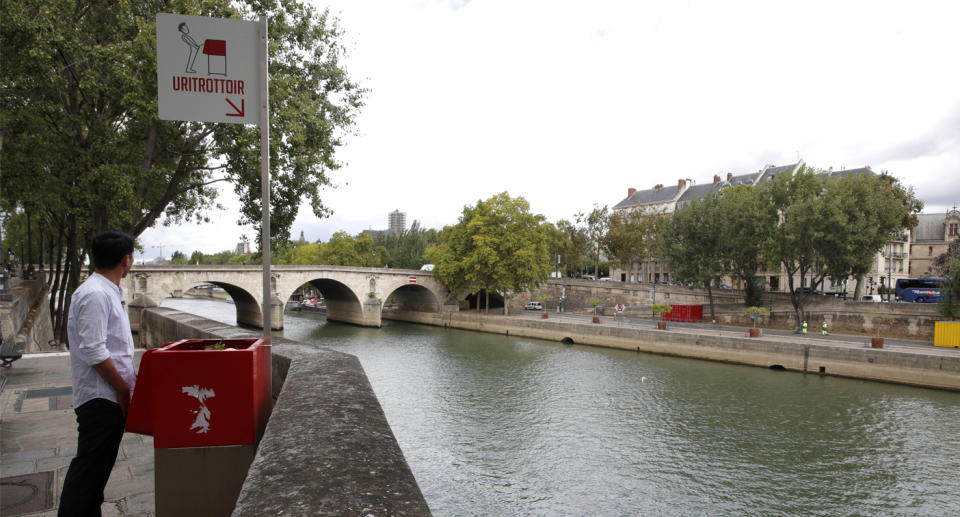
328 448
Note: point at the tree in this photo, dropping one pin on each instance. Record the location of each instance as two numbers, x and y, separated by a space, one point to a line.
78 109
178 258
944 263
632 236
304 255
570 241
949 304
793 238
497 245
745 217
691 246
867 212
406 251
598 222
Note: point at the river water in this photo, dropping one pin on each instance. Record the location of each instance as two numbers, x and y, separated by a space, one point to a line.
495 425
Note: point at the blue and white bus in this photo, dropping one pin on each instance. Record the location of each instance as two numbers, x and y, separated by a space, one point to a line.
920 290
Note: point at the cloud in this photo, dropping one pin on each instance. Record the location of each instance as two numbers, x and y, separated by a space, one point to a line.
570 103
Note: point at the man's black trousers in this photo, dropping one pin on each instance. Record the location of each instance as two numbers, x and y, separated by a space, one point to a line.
100 424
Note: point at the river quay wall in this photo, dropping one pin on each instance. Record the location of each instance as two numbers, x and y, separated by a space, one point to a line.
328 448
26 318
925 367
907 320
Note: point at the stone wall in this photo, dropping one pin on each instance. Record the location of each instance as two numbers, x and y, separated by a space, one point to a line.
909 320
920 367
328 448
27 317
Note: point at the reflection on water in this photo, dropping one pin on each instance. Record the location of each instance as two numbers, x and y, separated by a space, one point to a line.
495 425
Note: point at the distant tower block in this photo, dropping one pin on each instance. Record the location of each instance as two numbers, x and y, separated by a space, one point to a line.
397 222
217 65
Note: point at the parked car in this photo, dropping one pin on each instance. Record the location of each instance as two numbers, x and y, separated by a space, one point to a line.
588 277
806 290
533 306
606 279
871 298
723 286
556 274
426 267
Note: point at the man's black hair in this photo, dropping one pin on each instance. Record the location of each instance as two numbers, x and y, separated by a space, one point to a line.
109 248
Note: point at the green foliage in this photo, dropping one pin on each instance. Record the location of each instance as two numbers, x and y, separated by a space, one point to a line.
866 212
691 245
756 312
944 263
407 250
344 249
84 149
497 245
949 304
632 236
570 241
661 308
744 219
178 258
300 254
598 222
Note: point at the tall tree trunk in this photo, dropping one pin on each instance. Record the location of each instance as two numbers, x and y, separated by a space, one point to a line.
72 278
486 308
55 283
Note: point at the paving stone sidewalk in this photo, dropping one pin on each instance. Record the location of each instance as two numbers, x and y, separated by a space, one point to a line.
38 438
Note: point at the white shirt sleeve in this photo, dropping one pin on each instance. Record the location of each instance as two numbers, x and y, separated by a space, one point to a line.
92 318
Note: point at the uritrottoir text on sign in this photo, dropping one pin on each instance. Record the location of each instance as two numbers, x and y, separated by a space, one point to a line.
208 69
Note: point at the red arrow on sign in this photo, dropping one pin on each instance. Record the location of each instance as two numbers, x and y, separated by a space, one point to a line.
239 112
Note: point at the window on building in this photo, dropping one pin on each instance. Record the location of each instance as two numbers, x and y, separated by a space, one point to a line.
929 251
954 229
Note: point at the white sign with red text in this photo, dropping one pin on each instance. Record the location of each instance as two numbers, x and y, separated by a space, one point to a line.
208 69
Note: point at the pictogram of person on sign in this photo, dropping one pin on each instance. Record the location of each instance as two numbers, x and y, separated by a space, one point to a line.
192 44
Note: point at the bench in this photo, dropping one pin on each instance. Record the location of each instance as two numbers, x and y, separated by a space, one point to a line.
10 351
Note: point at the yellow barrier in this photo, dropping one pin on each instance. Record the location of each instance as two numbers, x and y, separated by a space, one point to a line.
946 333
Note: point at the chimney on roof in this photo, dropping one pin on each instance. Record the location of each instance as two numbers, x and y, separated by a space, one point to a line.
729 176
681 183
658 186
631 191
716 179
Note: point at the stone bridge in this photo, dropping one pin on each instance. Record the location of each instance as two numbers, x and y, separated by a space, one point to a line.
353 294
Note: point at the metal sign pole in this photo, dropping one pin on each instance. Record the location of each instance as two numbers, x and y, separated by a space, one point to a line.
265 177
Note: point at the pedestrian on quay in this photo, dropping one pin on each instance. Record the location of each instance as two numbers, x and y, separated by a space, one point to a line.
823 328
101 364
803 326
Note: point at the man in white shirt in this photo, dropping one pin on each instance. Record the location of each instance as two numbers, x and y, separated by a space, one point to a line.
101 361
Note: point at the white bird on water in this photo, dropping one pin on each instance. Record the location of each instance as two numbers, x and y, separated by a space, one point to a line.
643 379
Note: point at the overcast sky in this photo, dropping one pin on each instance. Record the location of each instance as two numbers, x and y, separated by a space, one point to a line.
570 103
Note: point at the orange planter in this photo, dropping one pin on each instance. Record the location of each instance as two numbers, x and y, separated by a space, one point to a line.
543 316
754 332
596 319
662 325
876 342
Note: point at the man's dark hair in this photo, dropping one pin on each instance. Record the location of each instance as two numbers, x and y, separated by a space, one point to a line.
109 248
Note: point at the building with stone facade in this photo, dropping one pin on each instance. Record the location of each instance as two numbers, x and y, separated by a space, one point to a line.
892 262
931 238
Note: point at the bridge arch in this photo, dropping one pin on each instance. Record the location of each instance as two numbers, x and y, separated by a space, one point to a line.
414 297
342 303
353 294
